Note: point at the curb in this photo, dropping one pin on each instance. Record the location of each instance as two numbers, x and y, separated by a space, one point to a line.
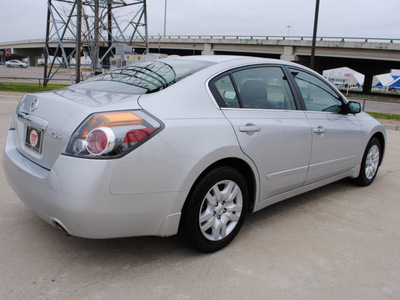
392 127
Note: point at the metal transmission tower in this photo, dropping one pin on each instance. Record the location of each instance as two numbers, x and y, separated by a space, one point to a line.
99 27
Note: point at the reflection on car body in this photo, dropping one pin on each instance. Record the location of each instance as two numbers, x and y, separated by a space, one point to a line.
185 145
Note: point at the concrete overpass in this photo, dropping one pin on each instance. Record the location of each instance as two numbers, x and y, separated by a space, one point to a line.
369 56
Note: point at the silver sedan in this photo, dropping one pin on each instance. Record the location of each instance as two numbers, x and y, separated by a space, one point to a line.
185 145
16 63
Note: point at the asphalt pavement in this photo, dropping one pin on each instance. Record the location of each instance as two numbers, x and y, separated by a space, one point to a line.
337 242
392 107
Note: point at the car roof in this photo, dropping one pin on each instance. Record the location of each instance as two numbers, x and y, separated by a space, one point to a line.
219 59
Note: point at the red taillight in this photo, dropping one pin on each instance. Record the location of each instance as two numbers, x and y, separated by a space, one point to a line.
112 134
100 141
135 135
97 141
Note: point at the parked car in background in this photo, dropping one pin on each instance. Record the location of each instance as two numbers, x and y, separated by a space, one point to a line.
16 64
185 145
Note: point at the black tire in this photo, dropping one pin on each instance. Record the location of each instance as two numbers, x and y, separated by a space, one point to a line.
8 66
21 66
206 208
370 163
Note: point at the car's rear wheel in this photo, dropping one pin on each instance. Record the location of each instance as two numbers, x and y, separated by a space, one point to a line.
215 210
370 163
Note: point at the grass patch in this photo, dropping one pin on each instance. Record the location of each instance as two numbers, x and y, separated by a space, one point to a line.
28 87
373 95
385 116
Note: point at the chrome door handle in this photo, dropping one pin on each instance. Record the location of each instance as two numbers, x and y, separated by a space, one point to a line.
249 128
319 129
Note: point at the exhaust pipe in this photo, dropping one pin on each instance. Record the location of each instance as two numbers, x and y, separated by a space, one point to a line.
61 228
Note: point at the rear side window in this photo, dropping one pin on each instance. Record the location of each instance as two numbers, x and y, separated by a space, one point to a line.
226 92
254 88
317 95
264 87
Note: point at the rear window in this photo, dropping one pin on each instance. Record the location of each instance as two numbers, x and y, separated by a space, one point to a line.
146 77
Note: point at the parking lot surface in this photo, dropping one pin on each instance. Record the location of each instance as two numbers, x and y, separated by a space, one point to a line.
32 74
337 242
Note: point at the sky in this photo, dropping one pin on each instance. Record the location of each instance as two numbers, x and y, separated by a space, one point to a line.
26 19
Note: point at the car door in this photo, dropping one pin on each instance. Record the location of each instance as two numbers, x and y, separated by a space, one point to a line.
260 105
336 135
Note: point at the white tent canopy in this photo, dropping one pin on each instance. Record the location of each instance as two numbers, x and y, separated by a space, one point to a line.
382 80
355 79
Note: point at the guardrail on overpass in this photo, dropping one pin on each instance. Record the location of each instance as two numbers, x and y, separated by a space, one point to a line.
237 37
280 37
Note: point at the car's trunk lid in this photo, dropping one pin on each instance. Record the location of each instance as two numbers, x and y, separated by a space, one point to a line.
44 122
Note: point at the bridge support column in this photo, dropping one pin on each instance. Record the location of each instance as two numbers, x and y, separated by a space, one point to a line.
288 54
34 60
367 87
207 50
32 54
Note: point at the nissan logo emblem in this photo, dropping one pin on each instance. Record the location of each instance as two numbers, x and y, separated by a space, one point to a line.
34 105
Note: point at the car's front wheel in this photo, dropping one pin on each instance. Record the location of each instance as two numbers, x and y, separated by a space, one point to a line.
215 210
370 163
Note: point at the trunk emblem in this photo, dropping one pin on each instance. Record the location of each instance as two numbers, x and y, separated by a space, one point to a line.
34 105
56 135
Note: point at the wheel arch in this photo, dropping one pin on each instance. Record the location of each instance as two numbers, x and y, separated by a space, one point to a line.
240 165
379 135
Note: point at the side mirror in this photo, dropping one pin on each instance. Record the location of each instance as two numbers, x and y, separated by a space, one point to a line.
353 107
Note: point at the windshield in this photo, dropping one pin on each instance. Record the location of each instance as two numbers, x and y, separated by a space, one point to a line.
146 77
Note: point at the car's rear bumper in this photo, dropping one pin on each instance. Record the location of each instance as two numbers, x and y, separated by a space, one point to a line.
75 194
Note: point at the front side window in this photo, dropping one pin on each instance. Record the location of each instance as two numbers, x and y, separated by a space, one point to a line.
317 95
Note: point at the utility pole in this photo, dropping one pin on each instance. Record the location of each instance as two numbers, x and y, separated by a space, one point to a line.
46 49
146 32
109 29
95 48
165 19
78 41
314 40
